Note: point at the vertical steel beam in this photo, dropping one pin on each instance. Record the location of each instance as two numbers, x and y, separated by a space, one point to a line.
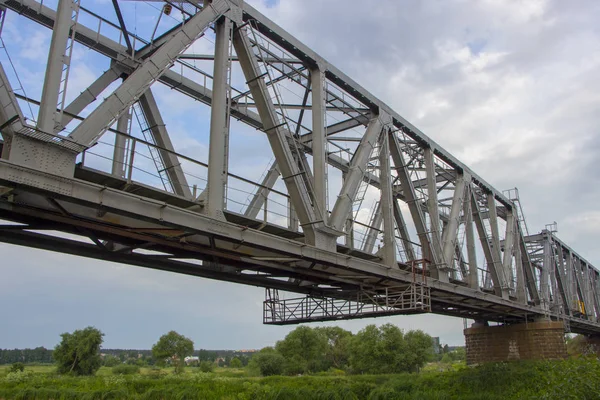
559 274
565 279
545 273
354 177
163 141
259 198
219 124
349 227
88 96
527 268
495 241
385 177
509 240
54 68
413 202
118 163
88 132
319 141
432 203
403 232
451 231
470 237
520 271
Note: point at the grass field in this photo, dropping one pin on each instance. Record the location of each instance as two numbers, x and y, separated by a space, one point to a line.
569 379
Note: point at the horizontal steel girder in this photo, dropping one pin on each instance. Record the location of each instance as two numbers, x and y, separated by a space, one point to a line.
225 240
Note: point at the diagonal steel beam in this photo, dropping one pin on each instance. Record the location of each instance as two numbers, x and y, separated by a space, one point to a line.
259 198
89 95
357 170
163 141
374 228
88 132
403 232
123 27
432 203
449 239
280 138
412 201
492 265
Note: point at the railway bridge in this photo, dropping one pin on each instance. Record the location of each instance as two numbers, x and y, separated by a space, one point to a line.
358 213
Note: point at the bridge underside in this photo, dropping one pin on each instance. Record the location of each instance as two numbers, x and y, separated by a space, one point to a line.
96 215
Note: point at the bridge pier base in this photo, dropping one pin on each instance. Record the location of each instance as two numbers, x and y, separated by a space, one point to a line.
526 341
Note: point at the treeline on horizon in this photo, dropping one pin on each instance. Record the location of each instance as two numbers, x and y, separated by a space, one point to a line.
42 355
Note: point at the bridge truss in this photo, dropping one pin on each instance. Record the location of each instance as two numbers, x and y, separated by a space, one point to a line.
359 211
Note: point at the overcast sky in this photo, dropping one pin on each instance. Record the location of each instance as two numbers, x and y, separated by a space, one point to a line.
512 88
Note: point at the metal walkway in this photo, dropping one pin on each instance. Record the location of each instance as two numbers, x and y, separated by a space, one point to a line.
440 240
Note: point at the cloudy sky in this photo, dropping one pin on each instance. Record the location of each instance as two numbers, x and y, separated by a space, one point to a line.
512 88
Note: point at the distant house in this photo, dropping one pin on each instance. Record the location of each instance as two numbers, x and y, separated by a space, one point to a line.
191 360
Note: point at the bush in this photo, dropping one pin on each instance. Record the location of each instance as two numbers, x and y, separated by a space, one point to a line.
269 363
207 366
17 367
111 361
125 369
235 363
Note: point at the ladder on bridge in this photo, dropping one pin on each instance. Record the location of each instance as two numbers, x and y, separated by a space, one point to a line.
66 67
153 150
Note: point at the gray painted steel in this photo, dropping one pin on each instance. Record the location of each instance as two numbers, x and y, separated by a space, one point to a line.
443 240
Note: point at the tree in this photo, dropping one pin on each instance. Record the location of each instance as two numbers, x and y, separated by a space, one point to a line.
173 346
268 362
388 350
235 363
79 352
304 349
419 347
336 352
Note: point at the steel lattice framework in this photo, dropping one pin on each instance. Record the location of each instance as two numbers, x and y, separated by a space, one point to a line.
438 238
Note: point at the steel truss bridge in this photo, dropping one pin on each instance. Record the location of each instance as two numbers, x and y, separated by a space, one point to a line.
359 212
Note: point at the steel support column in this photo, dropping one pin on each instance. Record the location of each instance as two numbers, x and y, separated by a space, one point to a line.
118 162
389 240
319 141
509 240
219 124
470 237
54 68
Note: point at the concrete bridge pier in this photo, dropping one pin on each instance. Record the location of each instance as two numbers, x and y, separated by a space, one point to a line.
542 339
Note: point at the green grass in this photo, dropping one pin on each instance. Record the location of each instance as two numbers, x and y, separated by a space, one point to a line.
569 379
